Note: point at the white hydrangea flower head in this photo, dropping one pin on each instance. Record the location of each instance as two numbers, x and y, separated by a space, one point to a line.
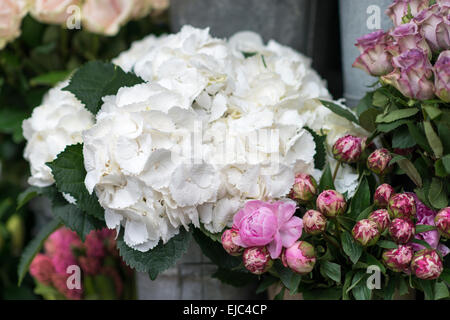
55 124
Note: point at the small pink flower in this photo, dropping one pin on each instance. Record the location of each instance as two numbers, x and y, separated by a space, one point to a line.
314 222
228 244
441 71
60 247
374 57
401 230
42 269
366 232
398 259
381 218
382 195
300 257
378 161
304 189
400 8
442 221
89 264
94 243
60 283
264 223
348 149
402 205
257 260
331 203
426 264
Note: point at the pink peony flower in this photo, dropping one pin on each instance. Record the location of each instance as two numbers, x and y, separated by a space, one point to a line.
398 259
331 203
426 264
382 195
402 205
300 257
257 260
401 230
374 58
348 149
314 222
89 264
442 221
60 245
400 9
228 244
412 75
42 269
442 76
378 161
434 23
381 218
366 232
304 189
60 283
94 243
264 223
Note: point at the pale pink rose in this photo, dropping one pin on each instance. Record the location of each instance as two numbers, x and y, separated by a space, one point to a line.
11 14
106 16
52 11
399 9
441 71
265 223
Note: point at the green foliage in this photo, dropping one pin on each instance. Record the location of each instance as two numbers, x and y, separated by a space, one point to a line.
351 248
340 111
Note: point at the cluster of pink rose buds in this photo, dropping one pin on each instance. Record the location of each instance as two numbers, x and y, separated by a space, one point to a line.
402 56
64 248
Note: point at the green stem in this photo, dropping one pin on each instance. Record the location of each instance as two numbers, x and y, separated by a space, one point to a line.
336 171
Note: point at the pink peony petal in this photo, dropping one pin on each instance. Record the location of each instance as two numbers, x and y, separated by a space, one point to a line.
291 231
275 247
285 211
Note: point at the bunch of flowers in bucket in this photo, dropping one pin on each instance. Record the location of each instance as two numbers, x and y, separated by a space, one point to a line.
71 269
395 232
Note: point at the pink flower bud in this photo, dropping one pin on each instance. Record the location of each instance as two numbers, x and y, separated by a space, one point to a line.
42 269
427 264
442 76
304 189
401 230
331 203
314 222
412 75
434 23
442 221
257 260
373 58
402 205
378 161
381 218
300 258
348 149
398 259
400 8
90 265
366 232
382 195
228 244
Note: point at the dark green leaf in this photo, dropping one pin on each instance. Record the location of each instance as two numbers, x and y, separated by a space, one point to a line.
340 111
27 195
427 287
34 247
371 260
96 79
323 294
424 228
347 283
50 79
267 281
234 278
326 181
437 194
361 199
331 270
440 291
386 244
408 167
418 135
446 162
350 247
321 153
388 127
422 242
361 291
158 259
402 139
364 104
396 115
433 139
367 119
365 213
290 279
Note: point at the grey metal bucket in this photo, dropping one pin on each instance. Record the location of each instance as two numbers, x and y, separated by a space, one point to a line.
357 18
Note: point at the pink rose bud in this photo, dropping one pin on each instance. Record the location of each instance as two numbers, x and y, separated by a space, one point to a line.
366 232
304 189
427 264
268 223
378 161
412 75
401 230
314 222
373 58
406 36
348 149
398 11
381 218
42 269
53 11
257 260
442 222
442 76
11 14
402 205
229 245
300 258
382 195
331 203
434 23
399 259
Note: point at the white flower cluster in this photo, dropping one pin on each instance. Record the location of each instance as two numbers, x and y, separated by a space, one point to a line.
215 123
